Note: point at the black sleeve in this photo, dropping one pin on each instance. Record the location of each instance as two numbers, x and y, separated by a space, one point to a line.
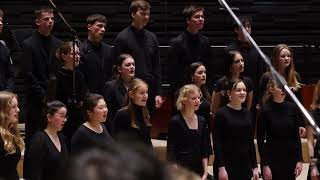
252 146
205 141
121 122
36 157
32 81
79 141
173 129
110 99
156 71
297 137
261 137
217 138
249 84
7 68
173 63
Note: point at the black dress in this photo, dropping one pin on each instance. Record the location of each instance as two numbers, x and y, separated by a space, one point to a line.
316 115
279 128
85 139
8 163
45 162
122 126
187 147
233 143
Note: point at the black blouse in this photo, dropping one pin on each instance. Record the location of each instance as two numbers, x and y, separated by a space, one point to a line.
44 160
122 125
8 163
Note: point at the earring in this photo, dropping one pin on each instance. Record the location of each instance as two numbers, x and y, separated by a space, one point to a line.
229 98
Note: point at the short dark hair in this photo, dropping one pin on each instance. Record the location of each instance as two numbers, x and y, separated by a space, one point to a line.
51 108
188 11
90 102
96 17
243 20
139 4
43 9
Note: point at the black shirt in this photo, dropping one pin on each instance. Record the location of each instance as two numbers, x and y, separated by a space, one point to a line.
8 163
44 159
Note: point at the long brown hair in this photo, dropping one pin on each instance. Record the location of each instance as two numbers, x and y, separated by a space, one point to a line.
9 128
192 69
290 72
316 97
134 85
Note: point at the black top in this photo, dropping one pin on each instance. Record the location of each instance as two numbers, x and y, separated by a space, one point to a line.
96 64
8 163
6 71
221 87
185 49
143 46
115 94
44 159
278 134
187 147
85 138
122 126
233 142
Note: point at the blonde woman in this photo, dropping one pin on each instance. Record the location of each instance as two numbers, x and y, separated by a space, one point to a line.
11 144
133 120
188 133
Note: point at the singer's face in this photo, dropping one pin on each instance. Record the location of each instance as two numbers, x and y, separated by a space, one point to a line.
196 21
1 24
200 76
45 22
127 69
192 101
278 93
140 96
238 64
141 18
57 120
96 31
14 110
239 93
99 112
68 58
284 58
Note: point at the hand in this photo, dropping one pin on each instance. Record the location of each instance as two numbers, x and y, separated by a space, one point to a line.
302 132
314 173
204 176
298 169
267 174
223 175
255 174
158 100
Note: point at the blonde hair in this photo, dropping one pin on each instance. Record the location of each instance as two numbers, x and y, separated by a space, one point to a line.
316 97
183 94
290 72
9 128
134 85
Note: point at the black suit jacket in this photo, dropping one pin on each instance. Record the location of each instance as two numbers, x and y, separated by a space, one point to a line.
38 65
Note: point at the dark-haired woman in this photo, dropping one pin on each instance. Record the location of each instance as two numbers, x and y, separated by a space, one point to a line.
115 91
233 140
92 133
234 68
132 121
48 153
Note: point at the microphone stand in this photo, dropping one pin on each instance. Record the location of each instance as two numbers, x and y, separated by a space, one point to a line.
274 73
75 42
